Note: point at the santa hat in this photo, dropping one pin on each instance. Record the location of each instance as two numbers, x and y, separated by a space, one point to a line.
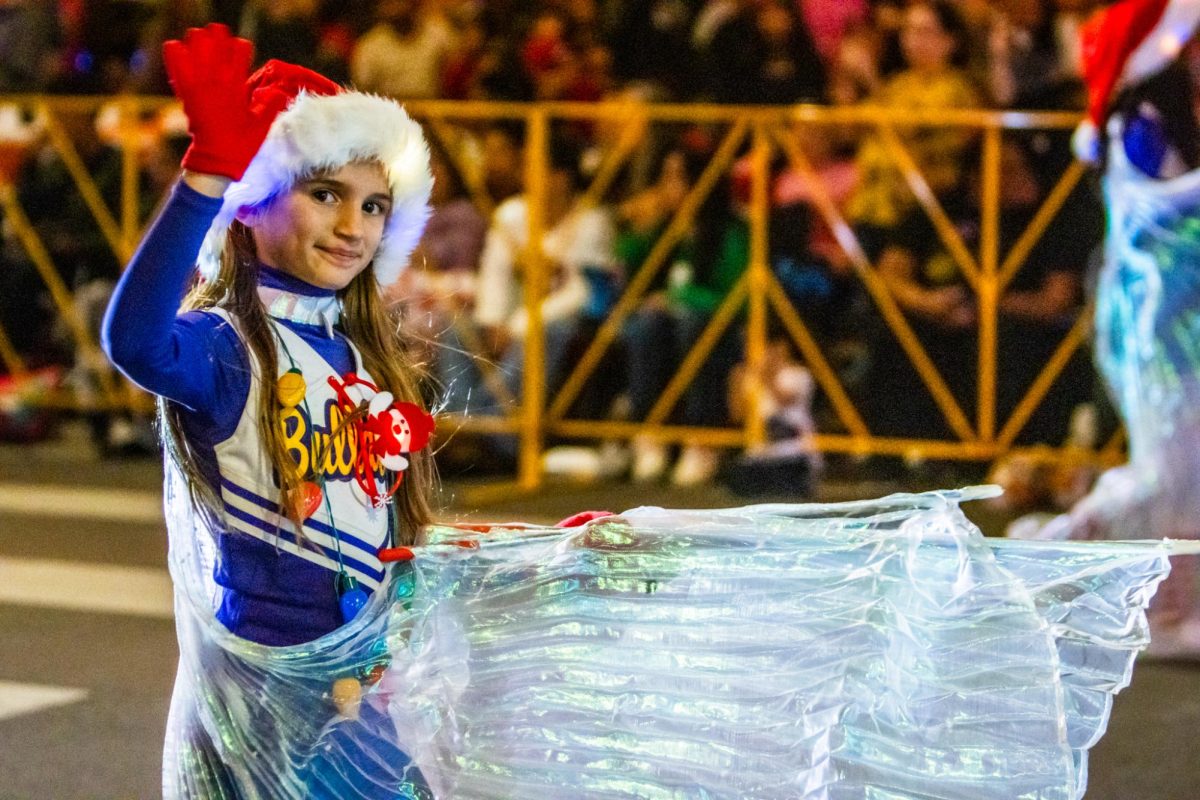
324 128
1123 44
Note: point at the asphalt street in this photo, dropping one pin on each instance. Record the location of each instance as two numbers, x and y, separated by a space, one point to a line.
87 644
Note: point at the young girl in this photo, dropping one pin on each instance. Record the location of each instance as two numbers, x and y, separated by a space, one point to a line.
290 422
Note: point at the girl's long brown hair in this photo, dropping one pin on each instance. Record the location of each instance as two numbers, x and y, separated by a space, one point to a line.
372 329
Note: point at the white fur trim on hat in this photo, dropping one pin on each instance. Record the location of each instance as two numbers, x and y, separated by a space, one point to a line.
1162 45
1085 142
319 132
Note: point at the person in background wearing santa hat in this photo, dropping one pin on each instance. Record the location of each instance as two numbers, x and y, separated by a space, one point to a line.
1142 131
287 401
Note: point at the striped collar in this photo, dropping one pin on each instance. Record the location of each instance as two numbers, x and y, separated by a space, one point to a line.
320 310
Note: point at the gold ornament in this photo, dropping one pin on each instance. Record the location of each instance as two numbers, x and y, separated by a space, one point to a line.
347 697
290 388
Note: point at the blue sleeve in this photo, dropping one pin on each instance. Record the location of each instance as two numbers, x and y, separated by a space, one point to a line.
196 359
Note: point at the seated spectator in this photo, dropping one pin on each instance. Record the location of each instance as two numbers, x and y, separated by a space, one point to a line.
403 55
461 71
764 54
644 216
577 240
28 36
590 77
502 159
788 462
1036 309
933 41
1045 296
810 265
1029 64
642 220
854 71
545 52
563 59
660 334
171 20
651 40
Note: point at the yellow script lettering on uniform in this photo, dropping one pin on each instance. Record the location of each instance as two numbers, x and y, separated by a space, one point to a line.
341 452
294 442
336 455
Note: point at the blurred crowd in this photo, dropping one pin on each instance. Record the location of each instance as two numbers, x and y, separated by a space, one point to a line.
1009 53
464 295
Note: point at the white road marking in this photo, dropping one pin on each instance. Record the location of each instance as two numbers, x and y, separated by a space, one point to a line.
51 500
25 698
98 588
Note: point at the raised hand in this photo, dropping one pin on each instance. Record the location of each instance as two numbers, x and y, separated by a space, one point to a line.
227 118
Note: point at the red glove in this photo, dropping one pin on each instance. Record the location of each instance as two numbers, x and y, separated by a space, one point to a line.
227 118
582 518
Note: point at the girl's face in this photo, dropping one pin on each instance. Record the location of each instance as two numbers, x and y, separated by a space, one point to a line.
926 44
326 229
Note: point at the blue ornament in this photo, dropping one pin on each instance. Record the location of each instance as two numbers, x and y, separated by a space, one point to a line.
352 602
351 597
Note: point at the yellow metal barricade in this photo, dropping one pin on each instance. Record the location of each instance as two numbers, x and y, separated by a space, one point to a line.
761 134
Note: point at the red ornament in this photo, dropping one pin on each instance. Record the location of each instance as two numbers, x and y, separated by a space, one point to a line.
389 554
309 499
374 674
389 433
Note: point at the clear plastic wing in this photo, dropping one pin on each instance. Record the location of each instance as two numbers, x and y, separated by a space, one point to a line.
881 649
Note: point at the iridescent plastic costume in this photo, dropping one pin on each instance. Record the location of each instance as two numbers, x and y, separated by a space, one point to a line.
879 649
